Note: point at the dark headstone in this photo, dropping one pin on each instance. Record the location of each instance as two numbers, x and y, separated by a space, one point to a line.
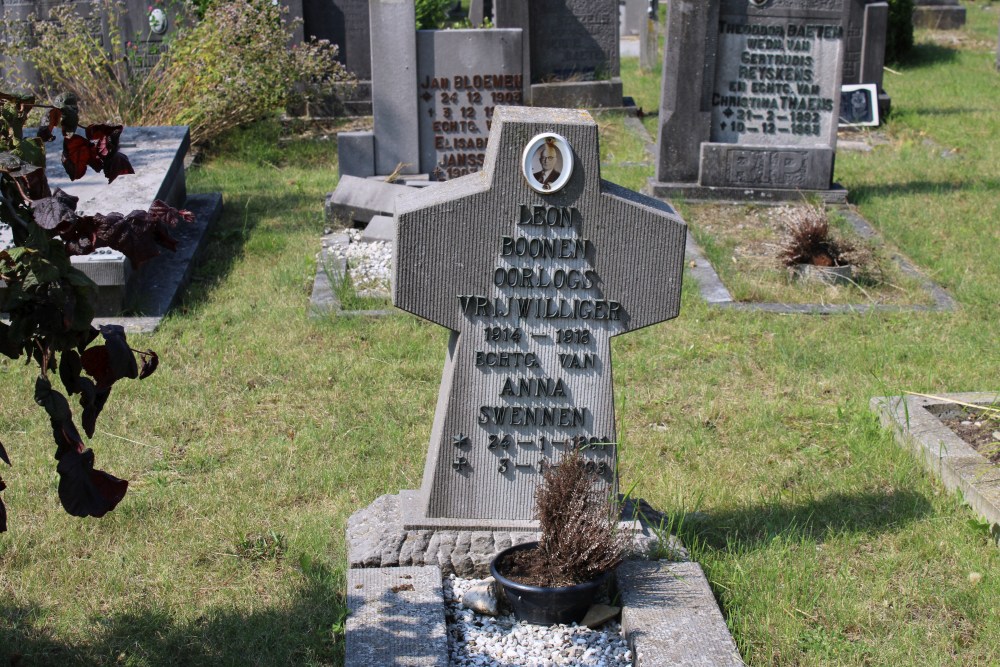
750 98
533 275
938 14
148 29
864 47
574 39
22 16
571 49
346 23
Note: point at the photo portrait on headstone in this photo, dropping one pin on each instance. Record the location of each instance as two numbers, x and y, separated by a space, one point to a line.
858 105
548 162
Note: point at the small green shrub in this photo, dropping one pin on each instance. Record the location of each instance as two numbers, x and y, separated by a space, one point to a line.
432 14
232 67
899 34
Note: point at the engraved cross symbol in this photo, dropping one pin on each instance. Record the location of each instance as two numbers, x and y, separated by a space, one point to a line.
532 286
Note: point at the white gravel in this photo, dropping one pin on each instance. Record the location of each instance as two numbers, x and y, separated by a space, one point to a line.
482 641
368 264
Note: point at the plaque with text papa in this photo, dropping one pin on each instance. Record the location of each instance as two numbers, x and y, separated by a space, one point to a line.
534 263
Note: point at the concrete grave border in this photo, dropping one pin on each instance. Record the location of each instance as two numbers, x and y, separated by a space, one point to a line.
915 424
163 278
715 293
323 299
670 617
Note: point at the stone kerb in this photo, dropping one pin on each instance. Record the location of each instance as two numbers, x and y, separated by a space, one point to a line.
916 424
527 376
749 100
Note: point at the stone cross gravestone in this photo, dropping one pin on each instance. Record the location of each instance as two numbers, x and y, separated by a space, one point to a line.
534 263
750 98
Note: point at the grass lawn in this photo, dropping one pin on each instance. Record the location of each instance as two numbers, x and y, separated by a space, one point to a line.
264 430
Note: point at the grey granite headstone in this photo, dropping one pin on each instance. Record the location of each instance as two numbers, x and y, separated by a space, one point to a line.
750 93
532 283
462 75
938 14
394 86
635 16
434 95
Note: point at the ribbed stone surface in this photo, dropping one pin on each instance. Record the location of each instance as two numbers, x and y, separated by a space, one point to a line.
396 618
533 286
671 618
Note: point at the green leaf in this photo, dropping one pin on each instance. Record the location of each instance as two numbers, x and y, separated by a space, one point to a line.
31 151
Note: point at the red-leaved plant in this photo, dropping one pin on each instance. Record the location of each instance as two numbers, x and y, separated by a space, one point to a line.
48 301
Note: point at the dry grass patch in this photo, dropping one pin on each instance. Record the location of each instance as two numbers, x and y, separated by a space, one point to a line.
750 246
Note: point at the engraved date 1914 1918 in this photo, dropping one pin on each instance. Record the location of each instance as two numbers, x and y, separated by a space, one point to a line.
515 335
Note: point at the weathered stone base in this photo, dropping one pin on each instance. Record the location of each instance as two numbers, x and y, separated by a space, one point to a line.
695 192
578 94
940 17
376 537
346 99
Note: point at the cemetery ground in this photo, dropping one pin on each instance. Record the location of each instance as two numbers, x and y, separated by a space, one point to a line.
264 429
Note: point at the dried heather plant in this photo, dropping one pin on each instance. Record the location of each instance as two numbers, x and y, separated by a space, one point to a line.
579 526
810 241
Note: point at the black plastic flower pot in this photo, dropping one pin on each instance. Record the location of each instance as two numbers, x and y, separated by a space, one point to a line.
546 605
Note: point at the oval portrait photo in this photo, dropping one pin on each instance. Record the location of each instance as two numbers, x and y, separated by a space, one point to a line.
547 163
